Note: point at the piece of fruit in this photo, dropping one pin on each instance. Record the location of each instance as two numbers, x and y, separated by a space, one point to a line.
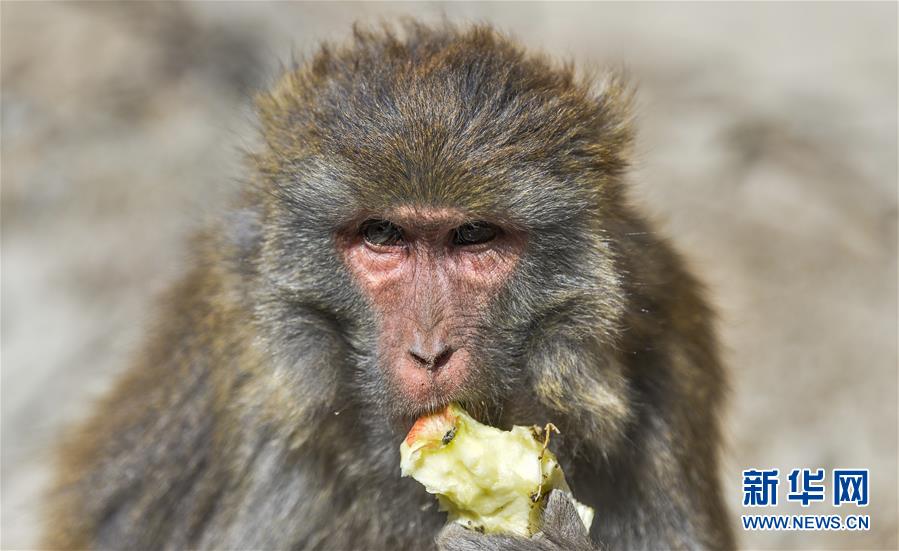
485 478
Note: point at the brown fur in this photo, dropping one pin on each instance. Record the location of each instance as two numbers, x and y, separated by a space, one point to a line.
256 416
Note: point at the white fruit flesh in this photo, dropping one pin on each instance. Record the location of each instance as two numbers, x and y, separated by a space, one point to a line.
485 478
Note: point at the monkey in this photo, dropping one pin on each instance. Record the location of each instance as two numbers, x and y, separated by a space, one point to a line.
434 214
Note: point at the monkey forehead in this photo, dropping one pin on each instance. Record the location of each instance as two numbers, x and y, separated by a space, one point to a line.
445 117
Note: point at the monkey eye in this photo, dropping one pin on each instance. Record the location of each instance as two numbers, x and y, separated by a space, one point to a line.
381 233
474 233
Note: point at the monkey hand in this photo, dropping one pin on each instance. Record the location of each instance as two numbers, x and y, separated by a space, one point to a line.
562 530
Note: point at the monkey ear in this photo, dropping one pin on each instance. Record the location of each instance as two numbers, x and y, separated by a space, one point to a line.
614 94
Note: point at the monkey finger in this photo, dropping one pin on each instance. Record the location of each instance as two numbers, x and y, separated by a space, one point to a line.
454 537
561 522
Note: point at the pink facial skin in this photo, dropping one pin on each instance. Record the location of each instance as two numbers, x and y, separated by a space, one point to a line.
429 295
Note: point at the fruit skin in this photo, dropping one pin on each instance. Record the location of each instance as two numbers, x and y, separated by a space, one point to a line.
486 479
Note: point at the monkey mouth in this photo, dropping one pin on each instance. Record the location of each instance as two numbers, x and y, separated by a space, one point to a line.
417 392
414 393
415 408
477 408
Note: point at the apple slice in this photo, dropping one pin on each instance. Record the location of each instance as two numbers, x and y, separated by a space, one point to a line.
485 478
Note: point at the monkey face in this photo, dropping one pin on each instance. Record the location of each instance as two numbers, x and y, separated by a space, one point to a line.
429 274
438 206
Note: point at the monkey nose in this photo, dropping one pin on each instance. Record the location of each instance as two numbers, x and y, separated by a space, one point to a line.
431 357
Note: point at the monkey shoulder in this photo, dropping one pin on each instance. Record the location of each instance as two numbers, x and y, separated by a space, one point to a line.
146 451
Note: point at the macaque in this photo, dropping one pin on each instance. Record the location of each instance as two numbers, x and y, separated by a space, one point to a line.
435 216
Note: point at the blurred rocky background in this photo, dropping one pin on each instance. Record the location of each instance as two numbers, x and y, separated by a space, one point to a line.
768 151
